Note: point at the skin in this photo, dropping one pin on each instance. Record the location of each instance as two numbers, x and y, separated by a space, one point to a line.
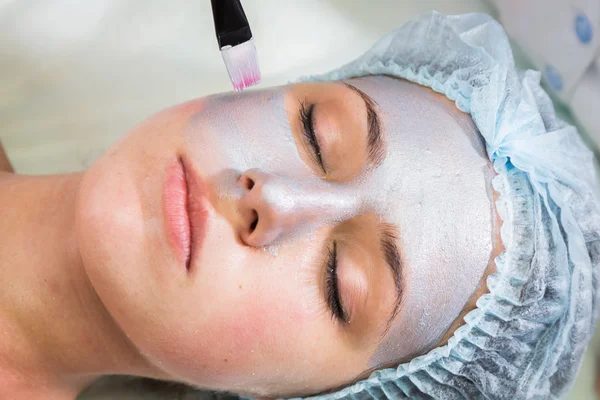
92 251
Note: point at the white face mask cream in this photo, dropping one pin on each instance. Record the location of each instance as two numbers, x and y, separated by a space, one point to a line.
244 131
433 185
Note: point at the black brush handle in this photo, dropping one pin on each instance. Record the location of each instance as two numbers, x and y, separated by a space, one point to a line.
231 24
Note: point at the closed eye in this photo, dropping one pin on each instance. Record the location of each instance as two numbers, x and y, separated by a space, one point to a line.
333 292
307 119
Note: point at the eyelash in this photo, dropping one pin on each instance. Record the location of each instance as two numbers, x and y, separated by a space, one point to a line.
333 293
306 117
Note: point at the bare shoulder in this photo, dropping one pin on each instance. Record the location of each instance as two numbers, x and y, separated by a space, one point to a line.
4 175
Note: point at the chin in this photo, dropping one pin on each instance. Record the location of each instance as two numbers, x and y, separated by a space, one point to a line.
120 234
110 231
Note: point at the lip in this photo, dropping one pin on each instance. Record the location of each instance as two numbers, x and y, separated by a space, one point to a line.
185 212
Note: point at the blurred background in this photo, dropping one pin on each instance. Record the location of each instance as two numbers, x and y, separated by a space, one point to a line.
76 75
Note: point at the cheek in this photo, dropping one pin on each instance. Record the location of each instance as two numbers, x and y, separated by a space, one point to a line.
268 319
263 322
277 311
242 131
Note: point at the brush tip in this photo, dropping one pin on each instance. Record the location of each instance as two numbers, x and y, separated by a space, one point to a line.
242 65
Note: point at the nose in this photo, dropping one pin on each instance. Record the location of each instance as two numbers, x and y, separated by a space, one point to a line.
268 207
273 206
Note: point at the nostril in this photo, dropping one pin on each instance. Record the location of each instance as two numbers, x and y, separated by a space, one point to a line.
254 221
247 182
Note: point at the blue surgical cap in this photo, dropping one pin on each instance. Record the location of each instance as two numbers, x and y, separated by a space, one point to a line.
527 336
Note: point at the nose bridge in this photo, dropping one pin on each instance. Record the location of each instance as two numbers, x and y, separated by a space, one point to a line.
281 201
281 195
281 206
309 200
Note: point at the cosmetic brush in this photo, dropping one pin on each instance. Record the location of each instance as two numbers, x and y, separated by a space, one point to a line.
235 41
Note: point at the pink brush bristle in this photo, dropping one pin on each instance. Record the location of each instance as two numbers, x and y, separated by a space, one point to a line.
242 65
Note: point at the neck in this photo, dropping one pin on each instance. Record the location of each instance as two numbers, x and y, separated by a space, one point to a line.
55 335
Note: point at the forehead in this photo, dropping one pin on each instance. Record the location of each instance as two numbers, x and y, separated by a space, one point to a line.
434 153
434 186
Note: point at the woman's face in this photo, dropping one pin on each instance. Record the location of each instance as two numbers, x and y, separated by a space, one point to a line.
284 241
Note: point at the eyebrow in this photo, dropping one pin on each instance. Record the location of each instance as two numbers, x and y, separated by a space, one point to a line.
375 140
392 257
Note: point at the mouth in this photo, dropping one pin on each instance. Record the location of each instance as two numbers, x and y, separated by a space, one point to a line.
185 212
